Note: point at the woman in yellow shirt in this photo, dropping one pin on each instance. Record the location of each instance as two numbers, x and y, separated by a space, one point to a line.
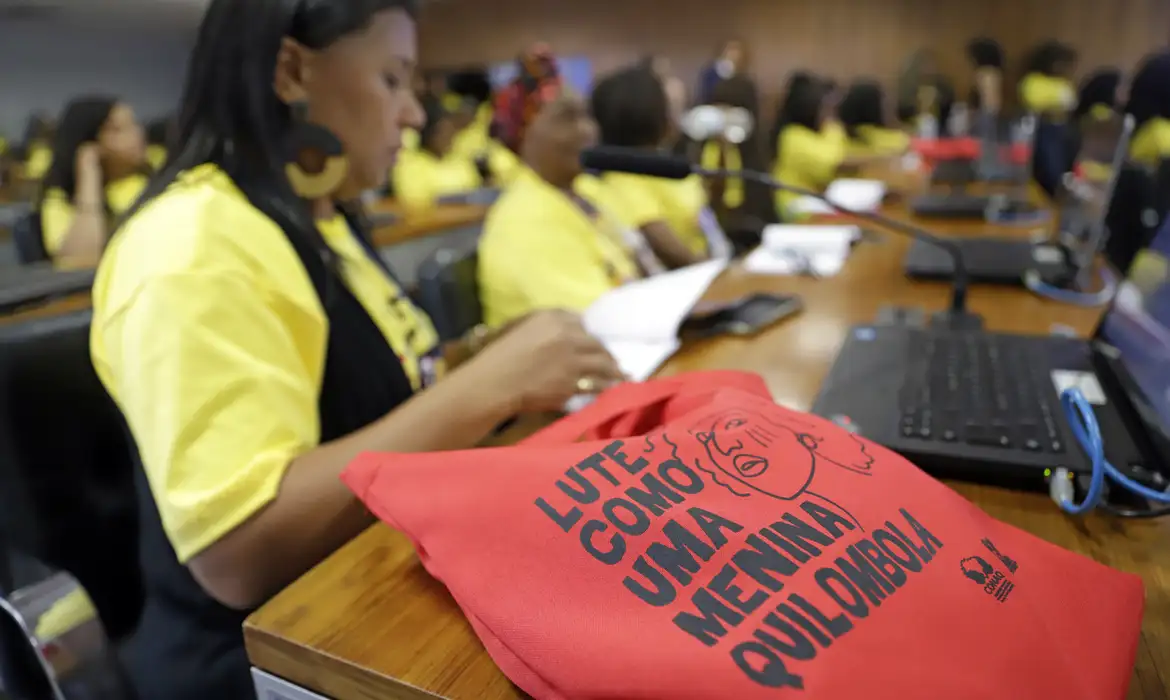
434 170
862 113
807 155
37 147
552 240
632 111
98 171
1149 103
256 344
1047 88
474 140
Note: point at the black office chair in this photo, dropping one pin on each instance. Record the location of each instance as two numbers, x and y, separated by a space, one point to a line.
1138 207
448 290
67 491
26 235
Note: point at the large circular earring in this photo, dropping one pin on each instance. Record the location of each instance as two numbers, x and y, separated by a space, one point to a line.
315 162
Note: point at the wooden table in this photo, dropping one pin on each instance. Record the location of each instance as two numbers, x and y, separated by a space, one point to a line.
406 229
369 622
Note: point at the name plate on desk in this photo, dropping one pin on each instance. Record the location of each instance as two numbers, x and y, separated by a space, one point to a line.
269 687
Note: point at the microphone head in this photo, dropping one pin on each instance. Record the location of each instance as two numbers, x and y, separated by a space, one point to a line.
613 159
734 124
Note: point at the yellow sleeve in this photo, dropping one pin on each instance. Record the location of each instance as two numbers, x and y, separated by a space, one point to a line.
39 160
215 392
1151 143
526 264
634 201
817 158
415 185
502 162
1040 93
56 218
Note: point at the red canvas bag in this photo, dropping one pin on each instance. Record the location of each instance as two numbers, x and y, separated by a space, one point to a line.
703 542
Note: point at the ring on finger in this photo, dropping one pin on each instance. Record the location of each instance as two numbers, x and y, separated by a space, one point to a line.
586 385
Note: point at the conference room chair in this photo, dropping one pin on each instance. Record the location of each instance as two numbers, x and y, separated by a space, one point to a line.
448 290
26 236
66 499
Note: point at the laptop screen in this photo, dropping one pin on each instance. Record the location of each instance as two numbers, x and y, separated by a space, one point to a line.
1138 324
1088 188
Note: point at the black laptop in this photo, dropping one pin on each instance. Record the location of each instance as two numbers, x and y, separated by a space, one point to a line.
985 407
995 163
1081 232
31 285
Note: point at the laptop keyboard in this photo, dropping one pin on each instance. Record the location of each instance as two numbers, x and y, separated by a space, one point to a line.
990 391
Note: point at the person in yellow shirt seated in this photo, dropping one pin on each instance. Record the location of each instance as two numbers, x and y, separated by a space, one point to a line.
632 111
806 156
1149 104
473 140
256 344
1047 88
98 171
36 147
863 116
552 240
432 171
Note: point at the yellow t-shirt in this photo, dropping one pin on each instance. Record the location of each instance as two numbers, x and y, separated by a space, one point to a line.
57 210
410 139
40 157
1151 143
210 337
1047 95
878 141
806 159
641 199
475 141
421 179
722 155
156 155
540 250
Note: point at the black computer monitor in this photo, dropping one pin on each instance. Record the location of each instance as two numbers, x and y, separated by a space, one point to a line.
1138 325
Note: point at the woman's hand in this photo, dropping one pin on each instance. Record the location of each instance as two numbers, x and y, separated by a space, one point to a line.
544 360
88 160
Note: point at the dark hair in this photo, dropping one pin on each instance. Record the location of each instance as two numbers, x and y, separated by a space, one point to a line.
1149 93
802 102
1100 88
80 123
473 84
1046 57
631 108
862 106
38 127
158 132
435 114
796 82
229 114
985 52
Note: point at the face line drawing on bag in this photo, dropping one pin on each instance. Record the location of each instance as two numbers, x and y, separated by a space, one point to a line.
735 441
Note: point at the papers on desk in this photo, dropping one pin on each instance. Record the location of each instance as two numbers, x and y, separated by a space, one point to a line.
811 250
638 323
857 195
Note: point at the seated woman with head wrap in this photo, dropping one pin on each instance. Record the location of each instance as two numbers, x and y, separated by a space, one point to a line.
537 82
863 115
552 240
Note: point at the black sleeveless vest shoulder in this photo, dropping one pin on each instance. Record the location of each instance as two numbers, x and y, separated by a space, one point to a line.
188 646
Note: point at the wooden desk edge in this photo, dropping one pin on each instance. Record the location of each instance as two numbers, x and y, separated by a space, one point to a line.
417 226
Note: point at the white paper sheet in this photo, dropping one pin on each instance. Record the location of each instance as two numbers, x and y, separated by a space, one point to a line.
651 310
858 195
765 261
809 238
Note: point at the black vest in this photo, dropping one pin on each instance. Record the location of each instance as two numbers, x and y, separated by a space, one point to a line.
187 645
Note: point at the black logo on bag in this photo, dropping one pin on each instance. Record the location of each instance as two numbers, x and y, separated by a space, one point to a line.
994 582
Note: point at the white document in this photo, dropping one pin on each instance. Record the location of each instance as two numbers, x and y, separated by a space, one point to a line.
638 323
809 238
857 195
766 261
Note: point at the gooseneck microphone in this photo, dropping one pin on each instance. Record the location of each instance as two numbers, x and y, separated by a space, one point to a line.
638 162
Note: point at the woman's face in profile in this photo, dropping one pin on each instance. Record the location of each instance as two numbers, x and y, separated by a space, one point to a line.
121 139
559 133
360 89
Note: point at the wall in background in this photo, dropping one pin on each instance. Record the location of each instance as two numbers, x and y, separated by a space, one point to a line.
841 38
44 63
